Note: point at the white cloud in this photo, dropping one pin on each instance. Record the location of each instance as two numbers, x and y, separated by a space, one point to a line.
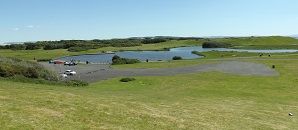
30 26
16 29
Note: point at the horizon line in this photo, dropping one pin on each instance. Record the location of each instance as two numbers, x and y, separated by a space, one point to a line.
219 36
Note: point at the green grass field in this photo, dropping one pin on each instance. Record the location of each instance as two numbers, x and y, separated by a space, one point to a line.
210 100
193 101
272 42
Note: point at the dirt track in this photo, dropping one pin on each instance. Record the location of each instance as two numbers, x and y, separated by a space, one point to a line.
94 73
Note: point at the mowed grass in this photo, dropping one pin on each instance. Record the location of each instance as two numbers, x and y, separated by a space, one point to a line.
272 42
50 54
193 101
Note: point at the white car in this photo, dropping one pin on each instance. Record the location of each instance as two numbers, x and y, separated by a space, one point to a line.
66 63
70 72
63 75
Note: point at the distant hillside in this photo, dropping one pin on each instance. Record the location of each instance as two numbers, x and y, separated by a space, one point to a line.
260 42
295 36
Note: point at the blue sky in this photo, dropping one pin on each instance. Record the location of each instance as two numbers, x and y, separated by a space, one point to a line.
31 20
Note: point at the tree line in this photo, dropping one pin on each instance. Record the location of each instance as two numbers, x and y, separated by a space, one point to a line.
82 45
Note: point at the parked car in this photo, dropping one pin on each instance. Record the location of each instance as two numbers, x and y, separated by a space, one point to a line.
58 62
51 62
66 63
70 63
63 75
70 72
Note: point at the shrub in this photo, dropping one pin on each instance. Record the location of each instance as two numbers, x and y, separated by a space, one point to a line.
31 73
10 67
16 47
215 45
6 71
131 44
43 60
53 46
127 79
76 83
32 46
177 58
116 60
153 40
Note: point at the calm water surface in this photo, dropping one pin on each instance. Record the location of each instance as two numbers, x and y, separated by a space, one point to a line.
184 52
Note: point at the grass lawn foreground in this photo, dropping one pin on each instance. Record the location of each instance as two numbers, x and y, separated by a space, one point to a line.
206 101
209 100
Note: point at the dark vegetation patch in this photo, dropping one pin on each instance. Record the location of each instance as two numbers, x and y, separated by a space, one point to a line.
153 40
44 60
212 44
127 79
177 58
118 60
76 83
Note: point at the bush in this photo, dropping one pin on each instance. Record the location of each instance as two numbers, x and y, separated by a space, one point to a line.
125 44
116 60
53 46
43 60
10 67
31 73
215 45
6 71
177 58
32 46
16 47
153 40
76 83
127 79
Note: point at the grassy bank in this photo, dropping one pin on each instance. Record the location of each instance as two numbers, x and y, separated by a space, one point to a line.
272 42
214 56
50 54
207 101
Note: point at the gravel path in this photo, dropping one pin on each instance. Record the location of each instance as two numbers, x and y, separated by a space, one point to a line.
94 73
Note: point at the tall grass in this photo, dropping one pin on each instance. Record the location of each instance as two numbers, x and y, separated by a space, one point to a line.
31 72
11 67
